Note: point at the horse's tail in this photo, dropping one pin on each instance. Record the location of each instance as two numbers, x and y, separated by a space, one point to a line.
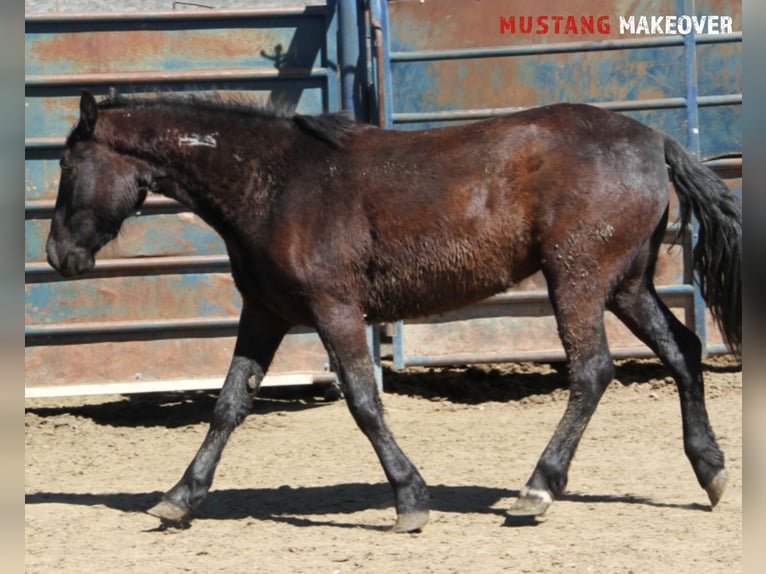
717 255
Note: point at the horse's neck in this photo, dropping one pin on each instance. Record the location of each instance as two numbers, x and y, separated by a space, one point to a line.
220 173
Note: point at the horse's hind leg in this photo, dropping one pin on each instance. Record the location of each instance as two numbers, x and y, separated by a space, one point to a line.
636 303
258 337
341 327
581 327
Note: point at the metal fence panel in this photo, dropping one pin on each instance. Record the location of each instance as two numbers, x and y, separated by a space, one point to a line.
453 61
160 310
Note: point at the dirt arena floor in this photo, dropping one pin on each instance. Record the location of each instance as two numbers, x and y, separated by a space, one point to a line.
299 490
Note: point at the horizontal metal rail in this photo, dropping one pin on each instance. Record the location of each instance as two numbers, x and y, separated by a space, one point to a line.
173 76
670 294
139 330
41 272
552 356
167 15
74 333
556 48
154 204
537 301
549 356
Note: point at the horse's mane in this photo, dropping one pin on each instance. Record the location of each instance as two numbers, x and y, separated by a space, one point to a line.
330 128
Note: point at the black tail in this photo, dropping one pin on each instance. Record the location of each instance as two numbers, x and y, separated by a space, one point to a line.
718 253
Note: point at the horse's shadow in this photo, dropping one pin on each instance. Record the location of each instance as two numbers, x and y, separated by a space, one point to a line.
179 409
318 506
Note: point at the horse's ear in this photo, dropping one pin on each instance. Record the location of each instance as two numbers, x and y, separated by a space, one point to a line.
88 112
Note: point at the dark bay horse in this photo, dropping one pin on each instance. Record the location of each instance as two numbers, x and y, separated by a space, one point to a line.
333 224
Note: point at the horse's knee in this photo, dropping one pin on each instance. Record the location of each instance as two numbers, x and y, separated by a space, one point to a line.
232 406
588 380
228 413
236 397
366 409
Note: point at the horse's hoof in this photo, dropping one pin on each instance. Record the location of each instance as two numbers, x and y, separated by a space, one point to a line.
411 521
168 511
531 502
716 487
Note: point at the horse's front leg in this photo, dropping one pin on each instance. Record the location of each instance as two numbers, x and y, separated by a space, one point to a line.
259 335
342 329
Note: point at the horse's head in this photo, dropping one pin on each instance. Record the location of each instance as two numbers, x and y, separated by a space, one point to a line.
98 189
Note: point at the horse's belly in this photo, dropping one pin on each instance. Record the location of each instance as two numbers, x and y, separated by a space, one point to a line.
426 290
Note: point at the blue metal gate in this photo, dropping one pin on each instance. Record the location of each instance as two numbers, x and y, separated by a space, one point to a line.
451 61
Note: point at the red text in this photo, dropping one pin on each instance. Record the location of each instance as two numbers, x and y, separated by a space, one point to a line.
555 25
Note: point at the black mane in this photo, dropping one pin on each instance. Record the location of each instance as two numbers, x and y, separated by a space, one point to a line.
330 128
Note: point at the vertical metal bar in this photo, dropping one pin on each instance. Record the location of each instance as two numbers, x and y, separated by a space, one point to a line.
690 60
332 102
373 344
377 62
379 21
398 345
693 145
348 19
380 81
388 91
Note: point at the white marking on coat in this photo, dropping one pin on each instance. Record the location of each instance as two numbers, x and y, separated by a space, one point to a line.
197 140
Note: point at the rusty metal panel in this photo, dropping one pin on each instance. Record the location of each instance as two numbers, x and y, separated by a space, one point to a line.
139 365
160 305
510 336
454 61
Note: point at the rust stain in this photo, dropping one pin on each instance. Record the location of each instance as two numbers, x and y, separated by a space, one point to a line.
141 50
107 292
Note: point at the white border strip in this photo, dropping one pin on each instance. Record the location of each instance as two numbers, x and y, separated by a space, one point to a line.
279 380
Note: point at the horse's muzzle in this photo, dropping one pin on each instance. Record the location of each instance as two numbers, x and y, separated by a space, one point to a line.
74 261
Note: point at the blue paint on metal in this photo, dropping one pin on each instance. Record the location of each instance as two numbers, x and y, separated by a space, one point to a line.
146 236
131 298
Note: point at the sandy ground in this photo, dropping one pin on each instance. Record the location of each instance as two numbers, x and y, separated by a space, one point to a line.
300 490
